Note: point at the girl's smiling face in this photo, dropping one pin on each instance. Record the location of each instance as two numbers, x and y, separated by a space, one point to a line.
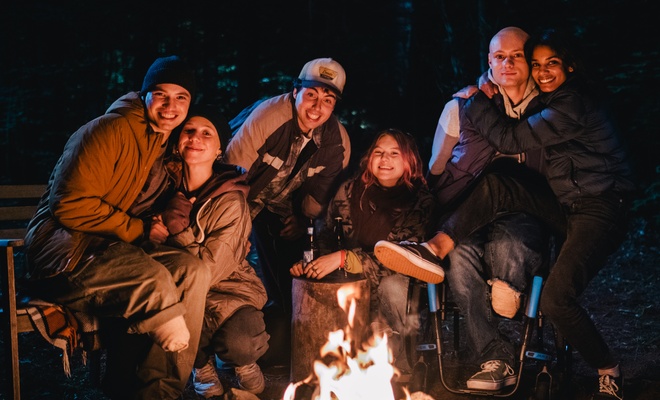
386 162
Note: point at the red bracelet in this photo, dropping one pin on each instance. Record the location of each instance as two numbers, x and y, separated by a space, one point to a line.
343 259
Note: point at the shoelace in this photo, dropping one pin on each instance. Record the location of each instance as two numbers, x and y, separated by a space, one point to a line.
493 365
607 385
247 369
206 374
490 366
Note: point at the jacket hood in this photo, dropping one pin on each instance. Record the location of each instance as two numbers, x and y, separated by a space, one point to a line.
516 111
211 189
130 106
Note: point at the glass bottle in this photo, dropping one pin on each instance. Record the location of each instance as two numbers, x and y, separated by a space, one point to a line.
311 251
339 235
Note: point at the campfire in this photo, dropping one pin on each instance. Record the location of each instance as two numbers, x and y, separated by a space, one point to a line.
348 369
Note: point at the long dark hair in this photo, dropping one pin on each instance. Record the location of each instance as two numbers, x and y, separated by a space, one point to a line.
560 43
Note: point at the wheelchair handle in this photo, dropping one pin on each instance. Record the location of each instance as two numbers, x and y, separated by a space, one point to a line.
534 296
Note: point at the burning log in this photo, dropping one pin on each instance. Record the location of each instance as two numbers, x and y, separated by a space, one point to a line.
346 367
317 311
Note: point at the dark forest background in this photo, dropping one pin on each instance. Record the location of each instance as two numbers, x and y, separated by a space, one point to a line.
63 63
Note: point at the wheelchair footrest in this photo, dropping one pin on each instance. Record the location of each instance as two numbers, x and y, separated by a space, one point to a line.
426 347
538 355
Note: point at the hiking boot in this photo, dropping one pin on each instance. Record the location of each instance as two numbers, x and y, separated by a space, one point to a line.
608 388
250 378
206 381
494 375
411 259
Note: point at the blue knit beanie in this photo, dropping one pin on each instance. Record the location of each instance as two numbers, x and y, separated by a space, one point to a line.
170 69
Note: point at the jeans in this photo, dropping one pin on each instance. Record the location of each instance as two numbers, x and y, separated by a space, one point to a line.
592 229
393 301
142 290
512 248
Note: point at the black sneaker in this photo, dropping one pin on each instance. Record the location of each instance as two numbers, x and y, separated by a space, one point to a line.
494 375
411 259
608 388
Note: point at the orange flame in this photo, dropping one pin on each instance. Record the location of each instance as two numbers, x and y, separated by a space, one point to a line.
344 373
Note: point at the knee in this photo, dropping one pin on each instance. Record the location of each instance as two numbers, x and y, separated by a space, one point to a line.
553 305
242 339
393 287
196 272
505 299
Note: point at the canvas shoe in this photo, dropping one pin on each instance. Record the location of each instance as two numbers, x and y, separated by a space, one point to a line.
206 381
250 378
494 375
608 388
411 259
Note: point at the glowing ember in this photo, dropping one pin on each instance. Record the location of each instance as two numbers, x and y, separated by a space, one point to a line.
345 373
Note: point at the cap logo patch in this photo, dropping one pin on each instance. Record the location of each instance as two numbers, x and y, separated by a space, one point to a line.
327 73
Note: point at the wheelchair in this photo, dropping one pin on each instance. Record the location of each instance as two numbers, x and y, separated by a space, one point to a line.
426 354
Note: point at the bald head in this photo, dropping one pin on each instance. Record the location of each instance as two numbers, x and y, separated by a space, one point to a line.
508 33
506 59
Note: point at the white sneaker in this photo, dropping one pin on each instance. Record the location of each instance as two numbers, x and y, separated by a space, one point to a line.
494 375
206 381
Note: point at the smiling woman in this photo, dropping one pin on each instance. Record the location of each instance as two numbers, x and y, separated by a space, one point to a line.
387 198
208 215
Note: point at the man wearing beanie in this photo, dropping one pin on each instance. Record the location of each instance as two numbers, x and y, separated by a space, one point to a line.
93 247
293 148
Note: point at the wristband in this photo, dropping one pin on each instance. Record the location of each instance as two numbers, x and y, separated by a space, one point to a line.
342 264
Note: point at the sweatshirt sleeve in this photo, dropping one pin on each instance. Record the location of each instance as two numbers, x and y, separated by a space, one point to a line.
446 136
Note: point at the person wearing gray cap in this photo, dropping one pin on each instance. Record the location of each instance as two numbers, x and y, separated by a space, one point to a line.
293 148
93 247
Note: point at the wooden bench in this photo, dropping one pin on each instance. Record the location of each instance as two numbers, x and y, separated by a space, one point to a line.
18 204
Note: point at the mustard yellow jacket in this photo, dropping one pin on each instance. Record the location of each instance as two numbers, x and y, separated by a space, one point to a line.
103 168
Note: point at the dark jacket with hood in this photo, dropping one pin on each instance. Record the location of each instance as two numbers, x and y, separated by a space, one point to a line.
583 153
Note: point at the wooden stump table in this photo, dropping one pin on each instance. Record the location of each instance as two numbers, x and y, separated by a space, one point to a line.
316 312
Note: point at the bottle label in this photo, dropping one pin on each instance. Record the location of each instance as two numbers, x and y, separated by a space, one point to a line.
308 255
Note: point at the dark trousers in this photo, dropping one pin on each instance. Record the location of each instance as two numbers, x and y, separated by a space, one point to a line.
275 257
240 340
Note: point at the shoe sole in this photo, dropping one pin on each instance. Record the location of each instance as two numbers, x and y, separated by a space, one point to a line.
490 385
398 259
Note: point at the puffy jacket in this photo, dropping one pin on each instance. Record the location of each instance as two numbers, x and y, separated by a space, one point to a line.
472 153
102 170
261 142
583 153
219 234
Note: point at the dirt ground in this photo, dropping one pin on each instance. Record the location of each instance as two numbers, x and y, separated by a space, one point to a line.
624 300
